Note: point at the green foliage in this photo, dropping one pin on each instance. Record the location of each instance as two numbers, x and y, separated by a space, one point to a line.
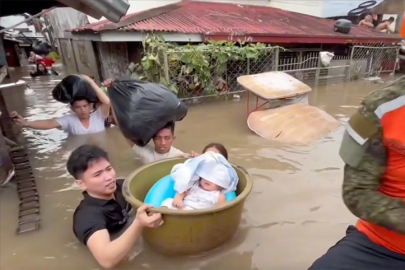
199 67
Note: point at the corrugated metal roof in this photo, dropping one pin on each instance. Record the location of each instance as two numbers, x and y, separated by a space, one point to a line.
222 20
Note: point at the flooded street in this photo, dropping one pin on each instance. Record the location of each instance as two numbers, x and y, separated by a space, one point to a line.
293 215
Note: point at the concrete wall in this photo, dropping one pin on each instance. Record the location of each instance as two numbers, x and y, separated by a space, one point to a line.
65 18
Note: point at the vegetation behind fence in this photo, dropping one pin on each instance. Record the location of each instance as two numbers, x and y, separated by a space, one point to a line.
212 69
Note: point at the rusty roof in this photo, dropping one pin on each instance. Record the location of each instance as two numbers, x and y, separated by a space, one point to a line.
225 21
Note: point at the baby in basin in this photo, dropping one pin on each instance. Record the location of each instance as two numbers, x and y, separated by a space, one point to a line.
201 182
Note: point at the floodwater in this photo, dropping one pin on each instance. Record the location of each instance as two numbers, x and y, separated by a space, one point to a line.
293 215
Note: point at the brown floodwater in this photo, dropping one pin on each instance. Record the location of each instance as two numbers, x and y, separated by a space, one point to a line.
293 215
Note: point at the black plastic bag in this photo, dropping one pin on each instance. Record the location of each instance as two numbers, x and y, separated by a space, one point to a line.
143 108
74 87
41 48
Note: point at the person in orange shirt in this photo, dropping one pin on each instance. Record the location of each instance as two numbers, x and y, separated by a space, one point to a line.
373 149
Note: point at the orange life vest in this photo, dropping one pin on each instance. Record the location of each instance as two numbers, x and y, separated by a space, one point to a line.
402 30
393 180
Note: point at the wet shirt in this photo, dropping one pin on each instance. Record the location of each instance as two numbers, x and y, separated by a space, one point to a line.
72 125
149 155
94 214
373 149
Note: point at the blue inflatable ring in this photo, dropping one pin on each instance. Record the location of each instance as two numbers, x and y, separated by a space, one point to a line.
164 189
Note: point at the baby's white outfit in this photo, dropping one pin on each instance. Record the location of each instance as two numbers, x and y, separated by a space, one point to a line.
197 198
210 166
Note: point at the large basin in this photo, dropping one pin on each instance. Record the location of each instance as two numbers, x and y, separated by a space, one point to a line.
187 232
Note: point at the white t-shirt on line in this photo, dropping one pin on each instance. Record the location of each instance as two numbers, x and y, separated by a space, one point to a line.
149 155
72 125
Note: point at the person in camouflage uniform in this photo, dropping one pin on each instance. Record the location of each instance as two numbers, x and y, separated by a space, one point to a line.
373 149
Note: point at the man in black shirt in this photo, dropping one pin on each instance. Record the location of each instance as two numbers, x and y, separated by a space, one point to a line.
103 210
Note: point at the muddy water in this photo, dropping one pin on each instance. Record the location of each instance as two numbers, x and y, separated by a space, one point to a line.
292 216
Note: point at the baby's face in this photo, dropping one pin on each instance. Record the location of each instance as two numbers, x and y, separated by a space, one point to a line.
208 186
212 149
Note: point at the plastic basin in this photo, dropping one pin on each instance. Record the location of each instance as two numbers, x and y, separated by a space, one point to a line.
187 232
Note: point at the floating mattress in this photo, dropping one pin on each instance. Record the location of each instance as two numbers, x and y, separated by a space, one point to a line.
273 85
295 124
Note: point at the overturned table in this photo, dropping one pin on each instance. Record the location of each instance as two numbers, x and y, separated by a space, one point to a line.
281 110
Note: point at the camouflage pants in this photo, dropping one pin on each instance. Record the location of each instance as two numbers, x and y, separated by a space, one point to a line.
356 252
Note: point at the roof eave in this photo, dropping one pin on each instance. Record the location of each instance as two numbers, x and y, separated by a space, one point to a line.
285 39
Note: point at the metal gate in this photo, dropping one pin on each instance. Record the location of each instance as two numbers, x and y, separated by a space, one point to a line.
371 61
86 58
68 55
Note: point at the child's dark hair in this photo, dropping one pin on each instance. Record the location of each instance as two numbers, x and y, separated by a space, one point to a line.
220 147
79 99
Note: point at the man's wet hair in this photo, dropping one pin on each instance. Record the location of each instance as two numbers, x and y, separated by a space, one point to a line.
219 146
169 125
79 99
82 158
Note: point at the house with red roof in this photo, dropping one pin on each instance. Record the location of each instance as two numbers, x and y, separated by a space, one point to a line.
113 46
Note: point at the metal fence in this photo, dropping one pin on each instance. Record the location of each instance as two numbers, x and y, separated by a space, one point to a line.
305 65
369 61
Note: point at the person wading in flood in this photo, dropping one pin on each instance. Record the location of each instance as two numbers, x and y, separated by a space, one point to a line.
162 148
373 149
163 143
101 221
79 123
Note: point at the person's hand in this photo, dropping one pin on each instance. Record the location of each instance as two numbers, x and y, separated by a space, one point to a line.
18 119
192 154
178 202
107 83
145 219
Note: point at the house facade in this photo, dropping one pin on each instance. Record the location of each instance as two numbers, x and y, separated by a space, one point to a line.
113 47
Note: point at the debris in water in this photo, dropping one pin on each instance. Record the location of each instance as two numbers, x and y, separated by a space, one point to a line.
296 124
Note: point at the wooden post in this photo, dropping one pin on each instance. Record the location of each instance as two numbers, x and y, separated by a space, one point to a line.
5 161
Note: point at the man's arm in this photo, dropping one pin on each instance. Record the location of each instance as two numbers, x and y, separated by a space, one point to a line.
365 156
42 124
364 22
39 124
95 235
109 253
